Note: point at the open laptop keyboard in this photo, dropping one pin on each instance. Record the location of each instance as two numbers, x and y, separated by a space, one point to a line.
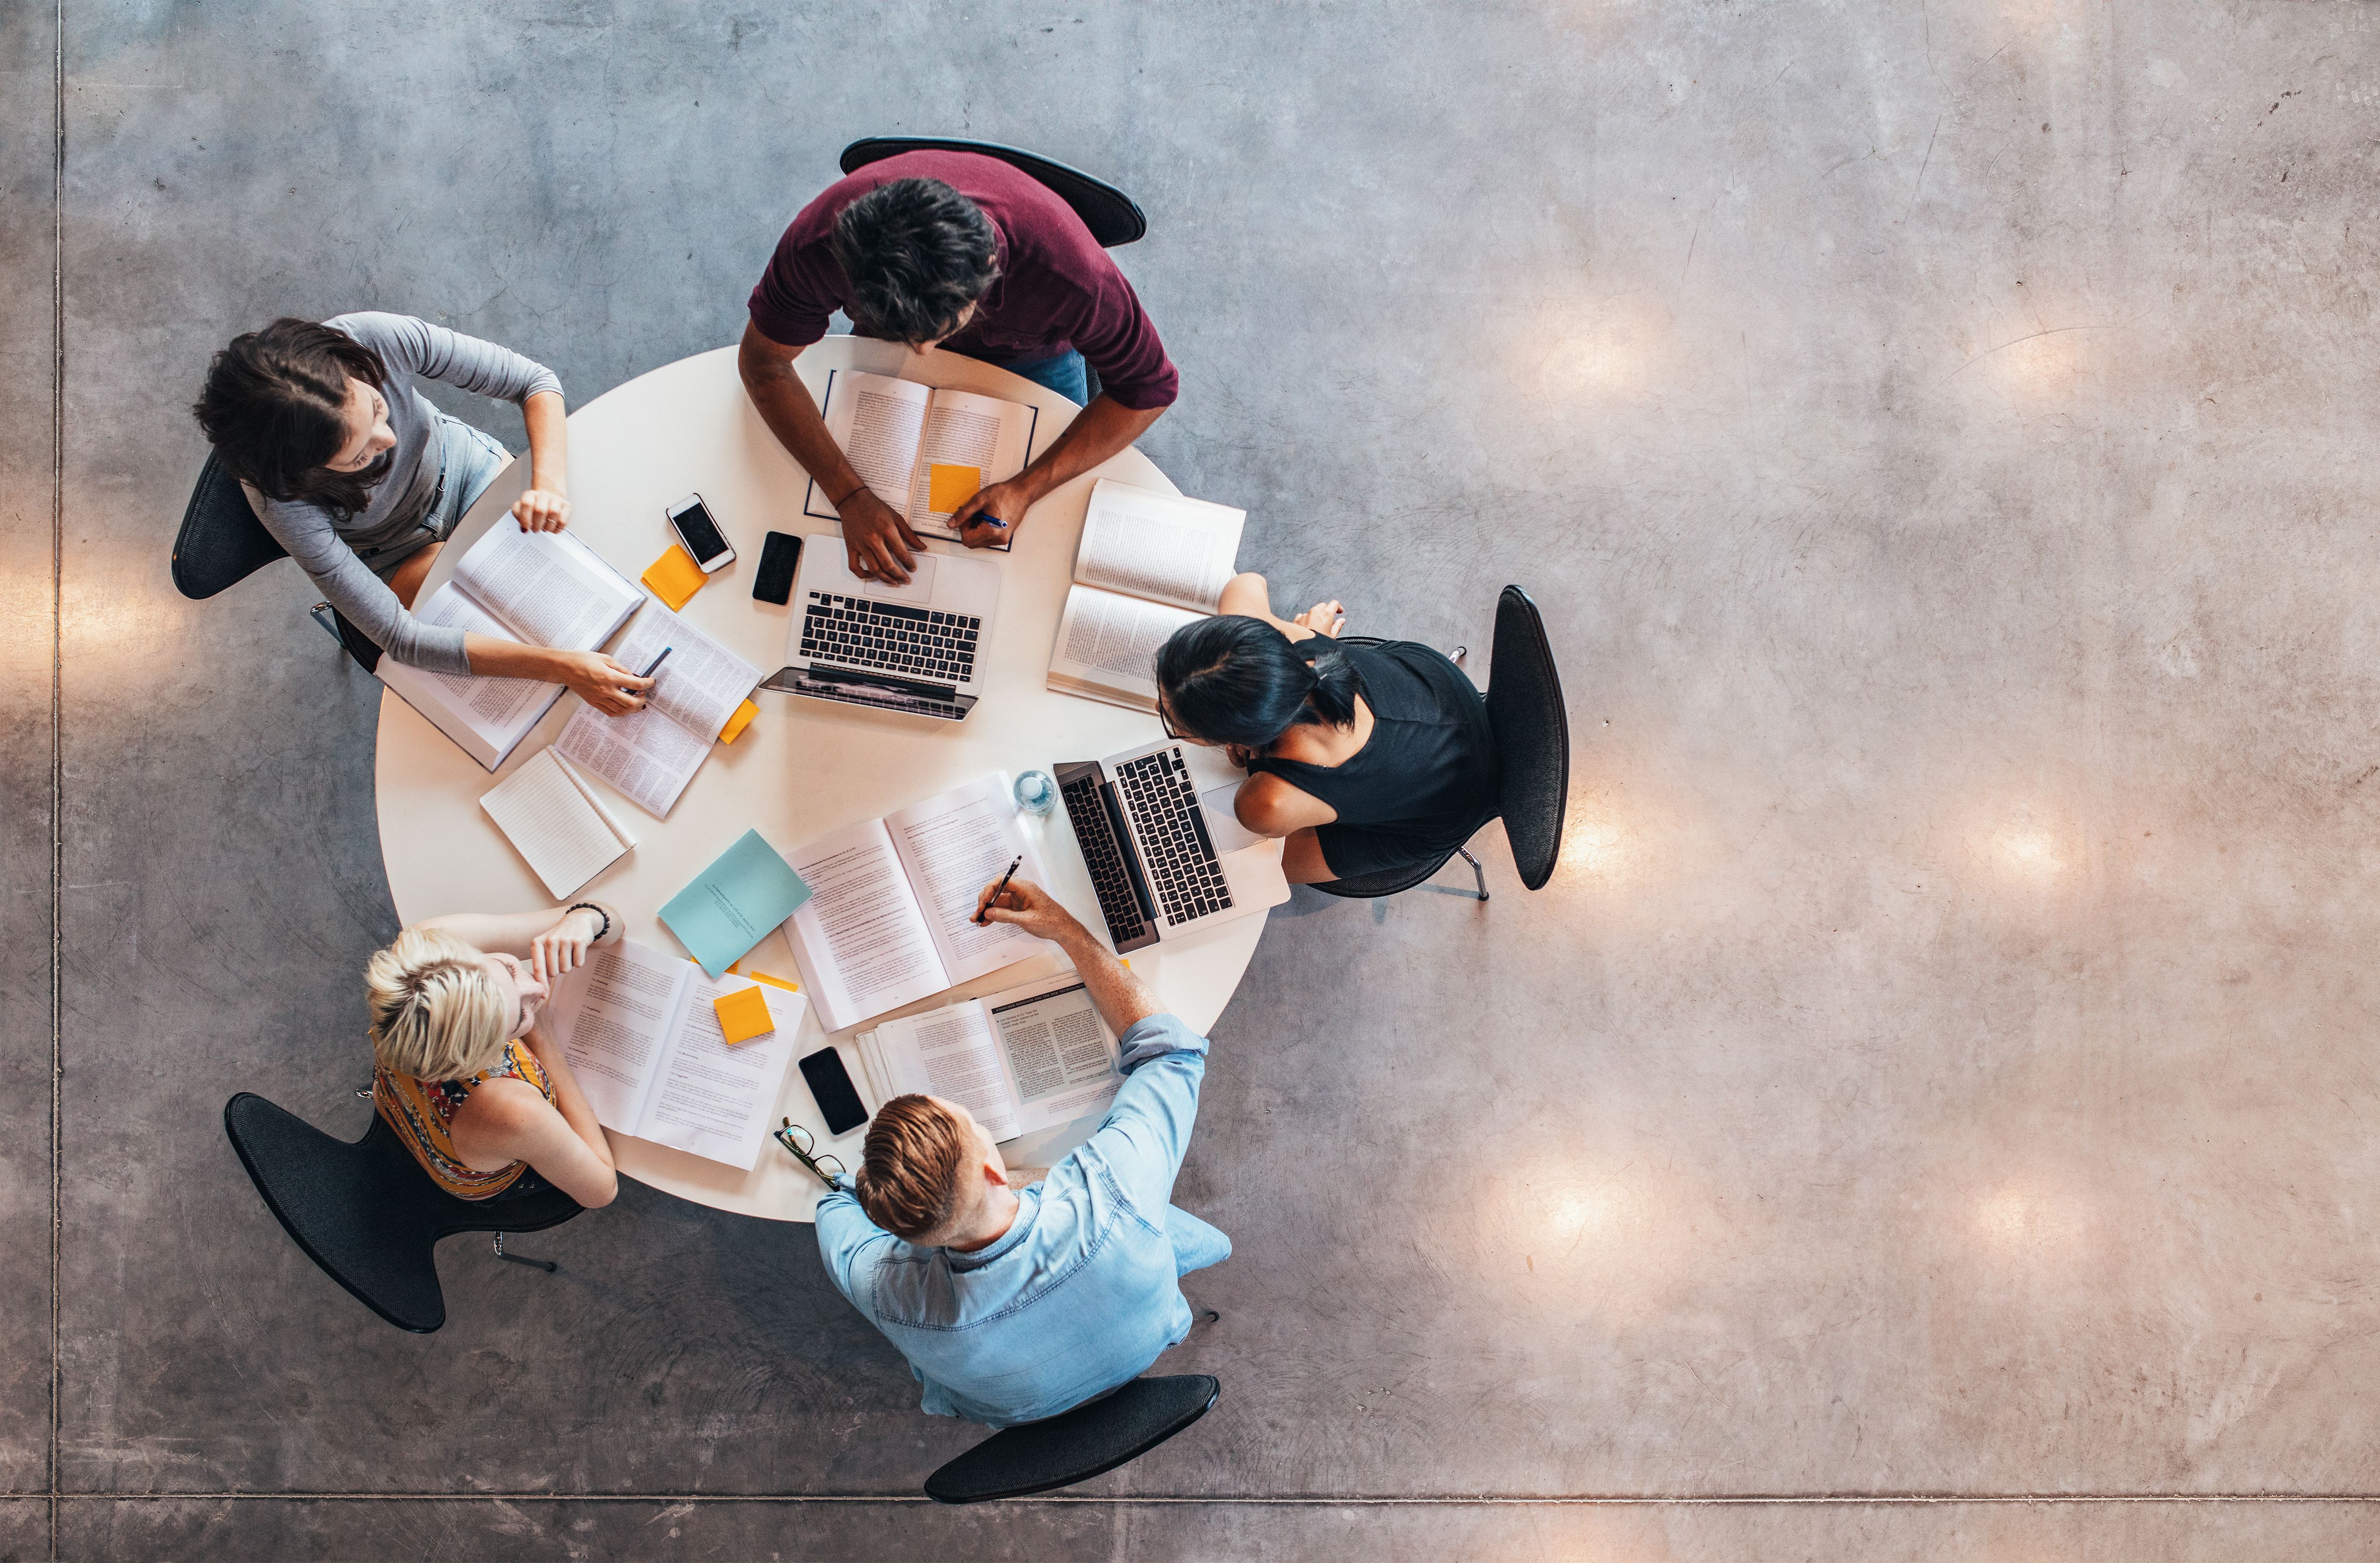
1184 873
855 632
1103 855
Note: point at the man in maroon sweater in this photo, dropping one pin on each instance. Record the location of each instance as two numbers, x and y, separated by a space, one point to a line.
952 249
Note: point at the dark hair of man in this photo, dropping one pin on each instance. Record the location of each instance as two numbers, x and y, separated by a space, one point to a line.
917 253
909 1166
1237 680
275 408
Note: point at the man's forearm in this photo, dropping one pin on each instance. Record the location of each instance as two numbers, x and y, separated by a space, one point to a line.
1097 432
786 406
1123 998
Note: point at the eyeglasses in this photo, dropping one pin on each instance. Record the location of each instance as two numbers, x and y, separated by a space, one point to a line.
797 1140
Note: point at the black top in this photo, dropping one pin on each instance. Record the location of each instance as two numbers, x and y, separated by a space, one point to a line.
1423 781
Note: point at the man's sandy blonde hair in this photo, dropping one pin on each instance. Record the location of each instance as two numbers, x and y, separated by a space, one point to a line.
436 1014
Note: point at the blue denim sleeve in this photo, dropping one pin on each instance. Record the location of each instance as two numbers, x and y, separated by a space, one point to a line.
1146 1131
844 1236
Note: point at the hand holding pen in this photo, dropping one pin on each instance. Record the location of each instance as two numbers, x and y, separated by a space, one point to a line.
1000 888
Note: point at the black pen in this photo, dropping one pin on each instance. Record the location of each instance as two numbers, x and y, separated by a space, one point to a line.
1003 887
657 661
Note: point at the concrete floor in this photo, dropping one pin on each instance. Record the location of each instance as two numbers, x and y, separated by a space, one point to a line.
1941 438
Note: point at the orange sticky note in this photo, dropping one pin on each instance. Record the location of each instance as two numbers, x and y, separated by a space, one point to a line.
743 1016
738 723
775 982
674 577
947 488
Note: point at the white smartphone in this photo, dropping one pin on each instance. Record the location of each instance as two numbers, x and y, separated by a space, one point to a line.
691 519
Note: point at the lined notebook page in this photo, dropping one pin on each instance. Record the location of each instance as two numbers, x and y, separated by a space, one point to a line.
549 815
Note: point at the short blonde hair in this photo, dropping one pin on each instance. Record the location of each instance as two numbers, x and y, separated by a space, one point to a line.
436 1014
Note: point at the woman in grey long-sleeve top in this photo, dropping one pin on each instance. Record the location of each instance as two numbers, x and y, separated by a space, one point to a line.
361 479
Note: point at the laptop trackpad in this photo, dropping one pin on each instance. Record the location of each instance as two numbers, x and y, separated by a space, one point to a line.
1223 827
835 575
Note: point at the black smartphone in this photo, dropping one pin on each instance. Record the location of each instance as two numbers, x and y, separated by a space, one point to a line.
780 553
831 1088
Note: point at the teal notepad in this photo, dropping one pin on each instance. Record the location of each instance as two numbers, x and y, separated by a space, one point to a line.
732 906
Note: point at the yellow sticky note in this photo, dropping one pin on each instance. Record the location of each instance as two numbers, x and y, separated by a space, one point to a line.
674 577
738 723
947 488
743 1016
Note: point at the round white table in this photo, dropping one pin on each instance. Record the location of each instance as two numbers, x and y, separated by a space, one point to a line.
803 767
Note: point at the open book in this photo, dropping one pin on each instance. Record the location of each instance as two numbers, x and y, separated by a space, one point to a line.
639 1032
549 812
1029 1058
547 588
890 918
1149 563
924 451
650 755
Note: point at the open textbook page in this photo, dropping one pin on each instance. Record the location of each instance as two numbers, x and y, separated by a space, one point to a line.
486 717
650 755
891 919
649 758
640 1030
861 939
951 846
1167 548
1106 646
1148 564
547 588
921 450
1025 1059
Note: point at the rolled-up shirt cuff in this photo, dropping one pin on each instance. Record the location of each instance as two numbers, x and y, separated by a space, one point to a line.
1156 1036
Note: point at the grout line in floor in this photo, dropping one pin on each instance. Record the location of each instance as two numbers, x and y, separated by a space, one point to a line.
57 754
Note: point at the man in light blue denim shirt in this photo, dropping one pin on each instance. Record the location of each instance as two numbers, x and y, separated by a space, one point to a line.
1012 1305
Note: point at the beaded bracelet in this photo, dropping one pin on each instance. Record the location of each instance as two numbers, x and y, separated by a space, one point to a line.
590 906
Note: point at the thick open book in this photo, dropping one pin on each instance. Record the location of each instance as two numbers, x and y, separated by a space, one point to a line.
650 755
639 1032
546 588
1149 563
549 812
1029 1058
924 451
890 918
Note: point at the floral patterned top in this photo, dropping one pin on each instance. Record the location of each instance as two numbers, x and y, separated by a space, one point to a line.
423 1113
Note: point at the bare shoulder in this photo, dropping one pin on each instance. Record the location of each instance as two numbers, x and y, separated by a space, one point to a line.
1271 806
504 1106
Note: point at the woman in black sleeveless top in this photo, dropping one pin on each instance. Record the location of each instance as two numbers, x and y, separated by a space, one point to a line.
1366 758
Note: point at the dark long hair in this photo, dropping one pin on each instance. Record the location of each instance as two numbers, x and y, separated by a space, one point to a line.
275 405
1236 680
915 252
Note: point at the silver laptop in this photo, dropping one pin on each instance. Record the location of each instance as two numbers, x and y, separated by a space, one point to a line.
1166 853
917 647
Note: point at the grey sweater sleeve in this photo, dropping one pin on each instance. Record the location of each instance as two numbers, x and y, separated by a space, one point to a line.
366 601
465 362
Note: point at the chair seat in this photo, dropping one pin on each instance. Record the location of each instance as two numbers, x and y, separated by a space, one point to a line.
1081 1444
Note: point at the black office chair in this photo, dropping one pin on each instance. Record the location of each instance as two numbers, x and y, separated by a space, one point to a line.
1532 730
368 1213
222 544
1112 216
1084 1443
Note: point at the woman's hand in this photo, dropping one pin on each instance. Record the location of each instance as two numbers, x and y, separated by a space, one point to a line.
563 947
542 509
1323 618
600 682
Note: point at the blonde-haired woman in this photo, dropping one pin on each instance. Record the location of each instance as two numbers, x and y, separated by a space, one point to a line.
465 1080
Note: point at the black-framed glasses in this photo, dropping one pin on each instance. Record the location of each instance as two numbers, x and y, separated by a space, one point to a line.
803 1148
